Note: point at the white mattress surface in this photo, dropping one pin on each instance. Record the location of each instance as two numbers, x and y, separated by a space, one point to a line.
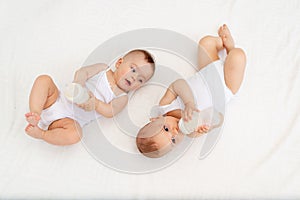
258 154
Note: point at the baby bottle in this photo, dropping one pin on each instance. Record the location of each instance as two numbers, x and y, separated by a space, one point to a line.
75 93
208 116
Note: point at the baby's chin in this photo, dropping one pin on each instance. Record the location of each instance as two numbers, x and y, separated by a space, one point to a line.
126 89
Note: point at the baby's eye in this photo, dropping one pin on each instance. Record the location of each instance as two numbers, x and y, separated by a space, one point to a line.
133 69
166 128
141 81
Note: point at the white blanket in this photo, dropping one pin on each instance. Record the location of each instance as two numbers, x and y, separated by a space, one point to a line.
258 155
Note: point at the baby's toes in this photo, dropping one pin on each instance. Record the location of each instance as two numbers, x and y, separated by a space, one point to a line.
28 128
224 38
220 31
32 118
225 29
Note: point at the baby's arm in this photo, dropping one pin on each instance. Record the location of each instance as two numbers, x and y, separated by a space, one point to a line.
110 109
203 129
177 88
84 73
180 88
105 109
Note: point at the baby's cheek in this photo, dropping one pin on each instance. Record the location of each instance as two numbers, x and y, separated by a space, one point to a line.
121 75
124 72
136 86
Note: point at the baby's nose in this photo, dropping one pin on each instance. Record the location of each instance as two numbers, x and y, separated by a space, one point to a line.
134 77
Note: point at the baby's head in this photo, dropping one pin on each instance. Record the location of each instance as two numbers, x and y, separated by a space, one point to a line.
159 136
134 69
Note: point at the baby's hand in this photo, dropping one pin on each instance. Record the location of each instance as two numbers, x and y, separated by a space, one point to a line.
188 111
203 129
89 105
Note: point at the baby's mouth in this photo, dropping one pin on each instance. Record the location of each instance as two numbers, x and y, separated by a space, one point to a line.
128 82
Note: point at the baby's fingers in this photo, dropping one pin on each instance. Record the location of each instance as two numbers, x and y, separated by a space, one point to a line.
82 105
189 114
91 94
203 129
184 115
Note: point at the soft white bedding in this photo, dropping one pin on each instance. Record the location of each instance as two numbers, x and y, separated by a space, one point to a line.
258 154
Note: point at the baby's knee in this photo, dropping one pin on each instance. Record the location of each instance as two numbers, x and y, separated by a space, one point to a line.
74 139
74 136
238 53
206 41
43 78
75 133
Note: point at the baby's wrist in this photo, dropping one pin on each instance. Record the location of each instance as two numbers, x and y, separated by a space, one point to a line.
189 103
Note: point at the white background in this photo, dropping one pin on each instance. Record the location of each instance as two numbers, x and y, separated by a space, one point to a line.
258 155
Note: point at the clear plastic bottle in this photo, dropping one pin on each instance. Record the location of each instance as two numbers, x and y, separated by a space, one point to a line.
208 116
75 93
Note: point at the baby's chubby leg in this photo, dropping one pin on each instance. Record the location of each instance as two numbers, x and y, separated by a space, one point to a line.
235 62
43 94
208 49
64 131
61 132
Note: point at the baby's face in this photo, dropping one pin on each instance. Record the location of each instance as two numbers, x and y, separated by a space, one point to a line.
165 131
133 71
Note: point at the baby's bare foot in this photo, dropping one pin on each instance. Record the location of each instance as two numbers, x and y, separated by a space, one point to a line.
34 131
32 118
226 36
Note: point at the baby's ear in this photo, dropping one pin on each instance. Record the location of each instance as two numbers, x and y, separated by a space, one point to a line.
120 60
152 119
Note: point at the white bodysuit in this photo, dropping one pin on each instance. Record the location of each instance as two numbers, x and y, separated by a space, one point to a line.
62 108
200 89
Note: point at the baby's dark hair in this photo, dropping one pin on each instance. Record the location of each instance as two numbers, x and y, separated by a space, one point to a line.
147 145
148 57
